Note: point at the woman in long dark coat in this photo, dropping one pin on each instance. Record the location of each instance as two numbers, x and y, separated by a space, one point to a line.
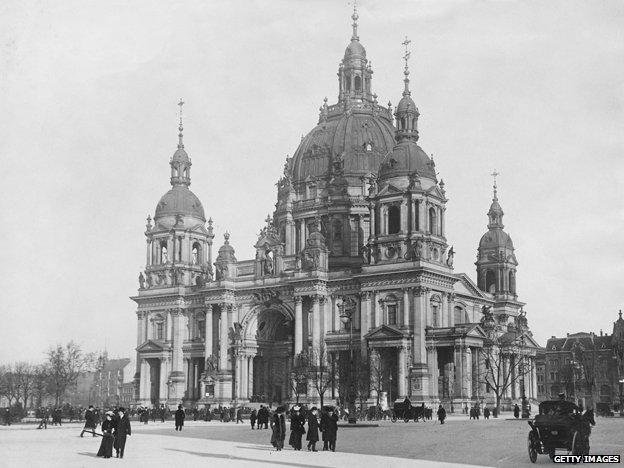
313 435
278 429
106 447
179 418
331 430
296 429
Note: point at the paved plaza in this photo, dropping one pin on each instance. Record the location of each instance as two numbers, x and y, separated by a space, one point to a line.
484 443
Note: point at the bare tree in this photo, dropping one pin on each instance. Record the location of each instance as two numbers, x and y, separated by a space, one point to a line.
23 376
504 364
376 373
299 374
321 372
587 360
7 383
40 384
65 364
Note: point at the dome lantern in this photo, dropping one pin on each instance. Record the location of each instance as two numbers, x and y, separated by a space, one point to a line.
406 112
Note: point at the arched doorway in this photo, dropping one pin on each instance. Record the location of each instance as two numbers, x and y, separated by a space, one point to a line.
271 332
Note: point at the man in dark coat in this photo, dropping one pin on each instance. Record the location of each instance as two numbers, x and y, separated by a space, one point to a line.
252 419
279 429
313 426
122 430
239 415
263 418
441 414
486 412
179 418
331 429
90 421
516 411
162 413
323 427
296 428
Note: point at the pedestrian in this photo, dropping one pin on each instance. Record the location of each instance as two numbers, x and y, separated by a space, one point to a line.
516 411
323 427
313 426
195 413
263 417
331 429
279 429
252 419
179 418
296 428
44 418
162 413
90 421
106 446
486 412
121 432
441 414
239 415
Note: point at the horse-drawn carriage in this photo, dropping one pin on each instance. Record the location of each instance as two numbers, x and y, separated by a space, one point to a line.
405 410
560 425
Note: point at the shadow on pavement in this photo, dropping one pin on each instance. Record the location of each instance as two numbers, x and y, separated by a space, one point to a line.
88 454
233 457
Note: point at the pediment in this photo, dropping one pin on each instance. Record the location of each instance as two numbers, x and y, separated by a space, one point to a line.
475 331
466 286
384 332
151 346
390 190
267 241
436 192
199 228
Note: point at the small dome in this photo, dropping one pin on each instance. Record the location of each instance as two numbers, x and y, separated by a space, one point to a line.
495 239
355 50
180 155
226 251
180 201
406 158
406 104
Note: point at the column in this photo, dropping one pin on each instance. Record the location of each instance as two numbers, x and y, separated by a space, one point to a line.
177 355
223 339
533 378
169 327
289 235
420 323
371 227
195 378
298 325
467 362
250 376
506 371
434 373
407 310
316 326
459 371
404 216
327 318
140 328
451 310
402 368
361 233
144 386
384 220
302 234
442 222
414 214
475 373
444 310
335 312
365 313
148 252
379 311
208 332
423 218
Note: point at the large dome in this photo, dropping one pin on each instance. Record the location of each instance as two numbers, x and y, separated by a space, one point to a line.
406 158
363 136
180 201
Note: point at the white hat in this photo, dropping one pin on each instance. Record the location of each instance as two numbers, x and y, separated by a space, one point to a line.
296 408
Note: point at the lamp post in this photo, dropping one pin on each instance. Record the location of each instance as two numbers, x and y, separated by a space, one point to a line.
525 403
346 319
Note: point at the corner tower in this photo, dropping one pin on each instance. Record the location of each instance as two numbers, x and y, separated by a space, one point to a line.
496 260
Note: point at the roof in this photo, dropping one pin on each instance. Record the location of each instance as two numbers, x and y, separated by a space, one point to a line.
406 158
495 238
180 200
113 365
587 340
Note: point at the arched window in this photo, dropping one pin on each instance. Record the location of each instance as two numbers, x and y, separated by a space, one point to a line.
164 257
490 281
337 229
458 315
435 315
394 219
433 221
196 253
160 330
358 83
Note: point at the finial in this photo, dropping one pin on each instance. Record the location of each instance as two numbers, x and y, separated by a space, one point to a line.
494 175
355 17
406 72
226 236
620 313
268 220
375 98
180 127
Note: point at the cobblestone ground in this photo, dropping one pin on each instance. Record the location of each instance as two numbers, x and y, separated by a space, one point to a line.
486 443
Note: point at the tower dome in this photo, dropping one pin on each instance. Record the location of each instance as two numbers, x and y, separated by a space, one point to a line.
179 204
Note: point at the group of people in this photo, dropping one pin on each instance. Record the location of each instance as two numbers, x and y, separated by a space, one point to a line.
115 429
327 424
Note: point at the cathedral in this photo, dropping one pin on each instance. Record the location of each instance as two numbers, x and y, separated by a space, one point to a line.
352 270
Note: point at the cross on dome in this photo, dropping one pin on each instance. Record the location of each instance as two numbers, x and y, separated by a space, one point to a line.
495 174
180 127
355 17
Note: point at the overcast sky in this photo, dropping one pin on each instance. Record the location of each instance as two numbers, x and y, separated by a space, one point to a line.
533 89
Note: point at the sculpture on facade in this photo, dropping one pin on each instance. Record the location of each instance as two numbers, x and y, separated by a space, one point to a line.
141 281
449 257
221 270
414 252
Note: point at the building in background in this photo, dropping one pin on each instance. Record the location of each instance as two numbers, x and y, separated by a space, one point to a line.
355 256
587 367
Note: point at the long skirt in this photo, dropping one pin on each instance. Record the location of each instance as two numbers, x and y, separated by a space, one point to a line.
106 447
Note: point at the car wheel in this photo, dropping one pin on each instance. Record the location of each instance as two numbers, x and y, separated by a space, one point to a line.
532 447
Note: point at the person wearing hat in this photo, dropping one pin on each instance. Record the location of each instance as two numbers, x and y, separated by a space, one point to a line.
278 429
90 421
331 429
313 425
296 428
122 430
323 426
441 414
562 396
106 446
179 418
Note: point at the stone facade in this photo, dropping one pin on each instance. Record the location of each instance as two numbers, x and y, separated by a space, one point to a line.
354 259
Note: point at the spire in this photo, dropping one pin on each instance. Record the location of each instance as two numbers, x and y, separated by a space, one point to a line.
406 56
180 127
495 214
355 17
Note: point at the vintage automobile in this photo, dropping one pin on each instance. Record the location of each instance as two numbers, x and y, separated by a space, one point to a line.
405 410
560 425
